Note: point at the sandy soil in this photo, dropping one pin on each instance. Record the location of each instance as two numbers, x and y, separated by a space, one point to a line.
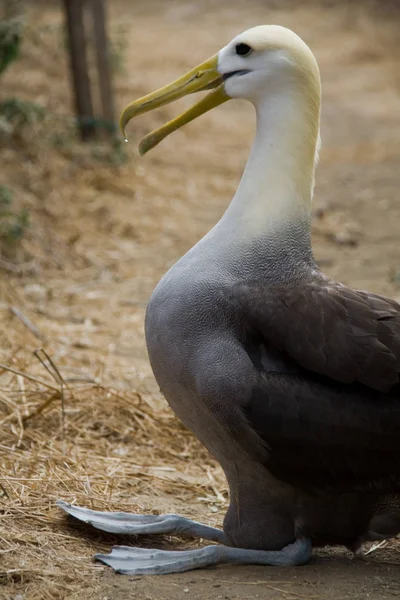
330 579
100 239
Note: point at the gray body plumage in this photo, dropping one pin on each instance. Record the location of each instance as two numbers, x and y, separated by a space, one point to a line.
304 455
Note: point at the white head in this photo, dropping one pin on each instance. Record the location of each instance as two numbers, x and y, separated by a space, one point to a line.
265 60
256 65
275 70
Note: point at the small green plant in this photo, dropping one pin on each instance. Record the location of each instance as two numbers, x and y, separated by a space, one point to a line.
12 224
15 114
10 41
19 113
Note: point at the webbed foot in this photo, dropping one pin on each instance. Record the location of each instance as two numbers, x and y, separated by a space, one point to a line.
131 524
142 561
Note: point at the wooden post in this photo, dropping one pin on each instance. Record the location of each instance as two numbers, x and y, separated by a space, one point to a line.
79 67
103 65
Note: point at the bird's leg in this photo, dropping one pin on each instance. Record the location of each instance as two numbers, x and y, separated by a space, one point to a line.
142 561
131 524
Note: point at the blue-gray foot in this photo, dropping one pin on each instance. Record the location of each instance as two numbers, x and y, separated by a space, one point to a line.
131 524
141 561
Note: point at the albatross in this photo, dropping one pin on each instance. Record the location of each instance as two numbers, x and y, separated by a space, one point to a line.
289 378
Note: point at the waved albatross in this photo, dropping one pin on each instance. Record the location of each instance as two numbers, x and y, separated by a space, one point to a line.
290 379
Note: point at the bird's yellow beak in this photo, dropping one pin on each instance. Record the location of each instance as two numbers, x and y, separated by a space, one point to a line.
203 77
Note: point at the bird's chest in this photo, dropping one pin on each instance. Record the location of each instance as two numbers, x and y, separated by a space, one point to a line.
179 318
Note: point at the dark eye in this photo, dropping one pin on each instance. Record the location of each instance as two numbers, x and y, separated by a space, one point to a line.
243 49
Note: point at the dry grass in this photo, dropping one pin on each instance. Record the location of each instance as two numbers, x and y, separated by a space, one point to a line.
108 449
94 428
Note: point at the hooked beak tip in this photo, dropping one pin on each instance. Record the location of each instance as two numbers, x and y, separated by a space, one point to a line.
203 77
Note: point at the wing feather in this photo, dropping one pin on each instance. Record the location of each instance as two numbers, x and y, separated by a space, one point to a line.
330 329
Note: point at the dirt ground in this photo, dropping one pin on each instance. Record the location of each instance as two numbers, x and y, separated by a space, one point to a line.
100 238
